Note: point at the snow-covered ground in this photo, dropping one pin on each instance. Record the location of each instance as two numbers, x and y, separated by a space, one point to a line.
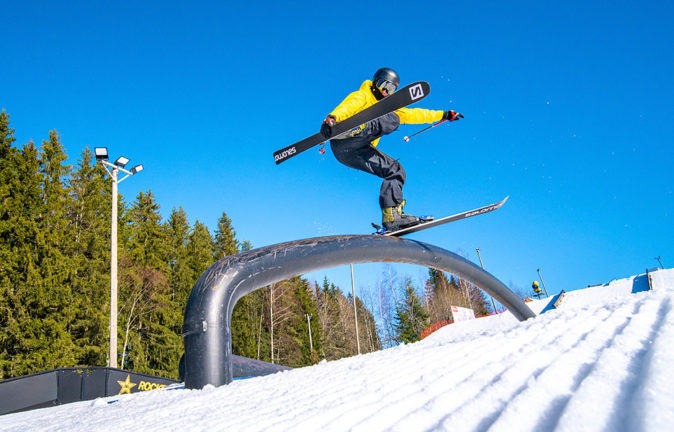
603 360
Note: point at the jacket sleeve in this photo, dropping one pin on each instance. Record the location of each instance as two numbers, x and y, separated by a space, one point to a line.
353 104
418 115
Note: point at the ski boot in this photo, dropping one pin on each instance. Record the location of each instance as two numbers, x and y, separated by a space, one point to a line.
393 218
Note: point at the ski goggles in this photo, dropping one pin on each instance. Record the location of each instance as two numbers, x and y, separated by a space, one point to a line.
386 85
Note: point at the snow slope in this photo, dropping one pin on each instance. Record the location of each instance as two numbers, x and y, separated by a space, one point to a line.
602 361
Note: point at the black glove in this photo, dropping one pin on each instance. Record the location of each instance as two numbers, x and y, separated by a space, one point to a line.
326 127
451 115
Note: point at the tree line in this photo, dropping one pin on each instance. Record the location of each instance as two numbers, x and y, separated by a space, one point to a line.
55 279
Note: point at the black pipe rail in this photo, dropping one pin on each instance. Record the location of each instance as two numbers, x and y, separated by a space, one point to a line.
207 325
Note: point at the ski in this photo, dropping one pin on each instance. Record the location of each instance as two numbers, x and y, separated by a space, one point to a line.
435 222
401 98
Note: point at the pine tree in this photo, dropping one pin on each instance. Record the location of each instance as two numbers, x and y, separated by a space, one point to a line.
411 318
7 155
481 306
54 251
147 240
225 238
181 276
244 325
11 311
145 294
440 296
25 208
90 242
248 330
34 281
200 249
246 246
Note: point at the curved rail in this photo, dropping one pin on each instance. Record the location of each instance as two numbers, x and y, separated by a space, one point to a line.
207 324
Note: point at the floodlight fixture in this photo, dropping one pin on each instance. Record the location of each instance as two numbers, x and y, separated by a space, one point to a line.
113 169
101 153
121 161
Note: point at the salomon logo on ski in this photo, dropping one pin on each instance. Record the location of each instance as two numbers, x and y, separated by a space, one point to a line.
416 92
287 153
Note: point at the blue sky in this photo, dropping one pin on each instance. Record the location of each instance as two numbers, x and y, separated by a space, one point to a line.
568 109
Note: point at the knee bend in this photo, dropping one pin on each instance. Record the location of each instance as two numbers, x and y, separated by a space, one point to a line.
389 123
397 171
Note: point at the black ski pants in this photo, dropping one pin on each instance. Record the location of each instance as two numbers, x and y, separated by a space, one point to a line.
357 152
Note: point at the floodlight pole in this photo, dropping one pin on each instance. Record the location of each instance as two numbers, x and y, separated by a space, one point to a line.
113 170
112 361
482 265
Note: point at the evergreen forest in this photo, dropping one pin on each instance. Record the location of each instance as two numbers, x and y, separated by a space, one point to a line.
55 223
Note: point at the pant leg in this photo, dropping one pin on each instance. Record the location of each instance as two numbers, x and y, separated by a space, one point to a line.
357 152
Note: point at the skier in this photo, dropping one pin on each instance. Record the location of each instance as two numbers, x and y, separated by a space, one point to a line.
357 147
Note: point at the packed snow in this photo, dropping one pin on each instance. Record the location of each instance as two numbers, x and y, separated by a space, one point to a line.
602 360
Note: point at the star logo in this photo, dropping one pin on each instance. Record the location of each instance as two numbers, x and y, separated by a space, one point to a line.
126 385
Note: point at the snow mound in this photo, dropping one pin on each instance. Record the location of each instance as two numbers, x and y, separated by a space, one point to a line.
600 361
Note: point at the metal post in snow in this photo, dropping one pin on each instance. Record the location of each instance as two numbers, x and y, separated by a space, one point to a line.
355 312
271 319
482 265
311 343
659 261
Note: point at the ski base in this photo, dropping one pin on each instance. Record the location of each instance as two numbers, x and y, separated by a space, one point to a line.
425 224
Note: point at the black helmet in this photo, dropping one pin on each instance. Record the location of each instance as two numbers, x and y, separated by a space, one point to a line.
385 79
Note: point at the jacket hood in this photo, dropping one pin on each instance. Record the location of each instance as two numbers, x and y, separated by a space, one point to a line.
366 85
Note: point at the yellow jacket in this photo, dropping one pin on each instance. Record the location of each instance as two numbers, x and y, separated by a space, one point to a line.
363 98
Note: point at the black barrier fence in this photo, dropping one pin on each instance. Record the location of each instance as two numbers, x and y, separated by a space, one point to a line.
66 385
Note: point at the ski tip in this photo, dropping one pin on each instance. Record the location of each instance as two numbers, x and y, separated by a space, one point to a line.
500 203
